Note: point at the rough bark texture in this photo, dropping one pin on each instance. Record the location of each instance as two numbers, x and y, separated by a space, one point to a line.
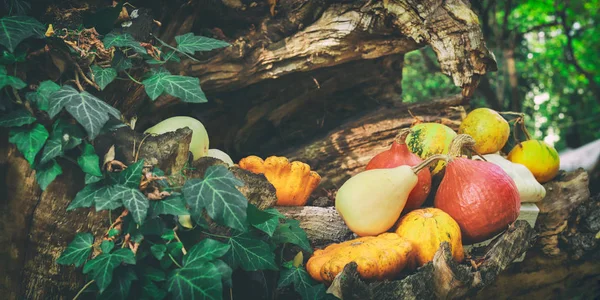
323 225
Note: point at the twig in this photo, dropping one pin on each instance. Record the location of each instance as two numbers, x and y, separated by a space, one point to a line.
177 238
175 49
83 289
78 83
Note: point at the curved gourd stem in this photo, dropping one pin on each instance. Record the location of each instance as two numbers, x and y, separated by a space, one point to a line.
401 136
520 120
460 142
428 161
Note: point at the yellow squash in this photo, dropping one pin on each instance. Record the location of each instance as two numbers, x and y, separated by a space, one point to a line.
293 182
380 257
488 128
540 158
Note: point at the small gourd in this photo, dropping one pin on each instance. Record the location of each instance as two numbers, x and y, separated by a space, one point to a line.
371 202
539 157
427 139
426 229
378 257
199 143
293 182
488 128
530 190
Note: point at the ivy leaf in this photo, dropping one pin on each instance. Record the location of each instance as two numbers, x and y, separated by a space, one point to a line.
120 286
250 253
91 178
102 266
103 76
52 149
158 251
151 291
107 246
154 274
41 96
298 277
105 200
78 250
200 281
120 62
290 232
10 58
205 250
70 134
131 176
270 225
88 161
46 173
91 112
173 205
169 235
17 118
190 43
29 141
6 80
225 271
112 232
218 194
14 29
134 201
123 40
184 87
85 197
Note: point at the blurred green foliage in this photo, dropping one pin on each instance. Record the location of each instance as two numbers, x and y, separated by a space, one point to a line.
557 91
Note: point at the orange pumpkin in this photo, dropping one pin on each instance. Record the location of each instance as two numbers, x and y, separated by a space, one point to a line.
426 229
378 257
293 182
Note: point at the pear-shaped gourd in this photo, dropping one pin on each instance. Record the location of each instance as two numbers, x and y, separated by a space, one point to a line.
371 202
218 154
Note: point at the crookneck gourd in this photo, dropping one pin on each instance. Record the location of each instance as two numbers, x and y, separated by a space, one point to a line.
293 181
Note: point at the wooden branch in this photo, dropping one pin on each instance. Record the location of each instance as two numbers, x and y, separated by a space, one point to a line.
323 225
346 150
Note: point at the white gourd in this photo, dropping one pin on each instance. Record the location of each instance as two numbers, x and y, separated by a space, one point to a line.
199 143
218 154
530 190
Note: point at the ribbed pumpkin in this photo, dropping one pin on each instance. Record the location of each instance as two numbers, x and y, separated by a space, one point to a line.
426 229
427 139
378 257
293 182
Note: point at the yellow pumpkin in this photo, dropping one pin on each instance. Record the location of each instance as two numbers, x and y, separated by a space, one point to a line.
426 229
378 257
540 158
488 128
293 182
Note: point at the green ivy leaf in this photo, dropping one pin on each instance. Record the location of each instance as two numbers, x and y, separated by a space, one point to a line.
88 161
299 278
41 97
46 173
290 232
120 62
52 149
70 135
184 87
190 43
91 178
172 205
158 251
14 29
29 140
225 271
17 118
105 200
205 250
131 176
91 112
103 76
102 266
6 80
134 201
123 40
154 274
78 250
10 58
218 194
107 246
120 286
250 253
270 225
85 197
200 281
169 235
112 232
151 291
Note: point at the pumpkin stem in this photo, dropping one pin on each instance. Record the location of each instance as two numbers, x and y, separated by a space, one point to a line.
428 161
401 136
460 143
